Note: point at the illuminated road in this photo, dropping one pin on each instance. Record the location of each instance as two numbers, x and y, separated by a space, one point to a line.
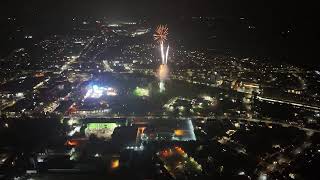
197 117
278 123
288 102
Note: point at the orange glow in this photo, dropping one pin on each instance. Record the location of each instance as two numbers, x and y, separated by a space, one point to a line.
39 74
72 143
163 72
179 150
166 153
178 132
72 109
141 129
115 163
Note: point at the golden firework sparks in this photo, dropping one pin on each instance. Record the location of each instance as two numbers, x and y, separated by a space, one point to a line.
161 33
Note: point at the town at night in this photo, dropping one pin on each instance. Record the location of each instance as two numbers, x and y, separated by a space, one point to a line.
159 90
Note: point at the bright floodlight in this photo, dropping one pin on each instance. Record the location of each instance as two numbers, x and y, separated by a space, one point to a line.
162 86
96 91
141 92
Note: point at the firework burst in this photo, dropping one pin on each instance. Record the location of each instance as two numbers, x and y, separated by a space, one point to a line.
161 34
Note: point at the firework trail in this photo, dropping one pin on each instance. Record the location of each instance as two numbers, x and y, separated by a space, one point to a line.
167 54
161 36
162 53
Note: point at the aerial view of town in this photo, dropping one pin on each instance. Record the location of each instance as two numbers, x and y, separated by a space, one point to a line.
139 97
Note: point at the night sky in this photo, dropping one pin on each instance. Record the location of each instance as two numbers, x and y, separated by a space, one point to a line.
271 17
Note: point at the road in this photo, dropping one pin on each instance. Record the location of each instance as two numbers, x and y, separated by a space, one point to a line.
289 103
199 117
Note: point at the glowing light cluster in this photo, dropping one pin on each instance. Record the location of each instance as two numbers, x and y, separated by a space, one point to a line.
162 86
179 132
111 92
115 163
163 72
177 161
141 92
208 98
96 91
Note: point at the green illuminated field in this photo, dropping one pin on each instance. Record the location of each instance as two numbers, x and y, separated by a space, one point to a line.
141 92
93 126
